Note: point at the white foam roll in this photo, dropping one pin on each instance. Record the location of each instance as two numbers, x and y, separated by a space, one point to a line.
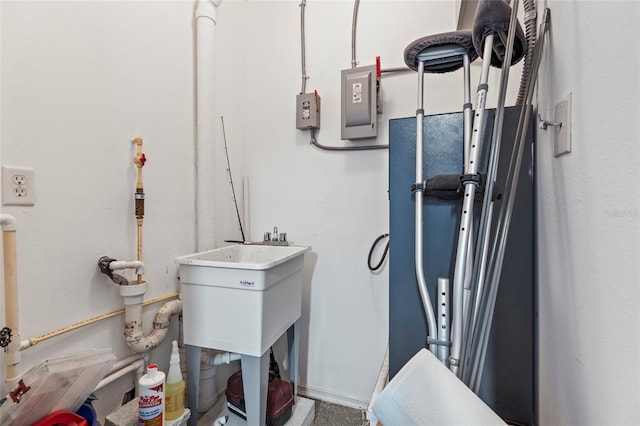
425 392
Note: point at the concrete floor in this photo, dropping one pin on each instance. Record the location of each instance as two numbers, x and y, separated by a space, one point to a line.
336 415
325 414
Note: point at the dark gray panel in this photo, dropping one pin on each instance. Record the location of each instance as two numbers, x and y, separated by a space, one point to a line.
507 384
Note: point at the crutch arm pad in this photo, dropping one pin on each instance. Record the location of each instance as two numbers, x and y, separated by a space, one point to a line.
462 38
451 187
444 187
492 17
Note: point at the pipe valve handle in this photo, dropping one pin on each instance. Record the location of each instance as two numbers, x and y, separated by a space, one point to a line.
5 337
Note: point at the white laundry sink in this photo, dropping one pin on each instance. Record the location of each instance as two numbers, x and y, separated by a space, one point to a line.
241 298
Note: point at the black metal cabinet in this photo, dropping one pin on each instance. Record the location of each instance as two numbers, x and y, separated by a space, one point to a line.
509 374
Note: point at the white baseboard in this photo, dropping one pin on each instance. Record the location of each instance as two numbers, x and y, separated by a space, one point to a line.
332 397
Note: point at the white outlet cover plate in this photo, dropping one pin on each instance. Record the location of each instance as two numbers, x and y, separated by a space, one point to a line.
10 189
563 133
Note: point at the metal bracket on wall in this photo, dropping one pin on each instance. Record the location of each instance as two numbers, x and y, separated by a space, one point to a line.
561 126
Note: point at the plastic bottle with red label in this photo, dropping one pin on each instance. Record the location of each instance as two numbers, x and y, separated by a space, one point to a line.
151 397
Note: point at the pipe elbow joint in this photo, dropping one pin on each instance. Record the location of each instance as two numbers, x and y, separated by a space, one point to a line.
167 310
207 9
136 265
137 342
146 343
8 222
107 265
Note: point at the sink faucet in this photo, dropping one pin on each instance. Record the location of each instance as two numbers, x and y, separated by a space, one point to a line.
275 239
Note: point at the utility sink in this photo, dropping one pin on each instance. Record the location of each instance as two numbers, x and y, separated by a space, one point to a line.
241 298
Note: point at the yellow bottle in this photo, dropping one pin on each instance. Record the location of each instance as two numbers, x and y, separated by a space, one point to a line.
174 387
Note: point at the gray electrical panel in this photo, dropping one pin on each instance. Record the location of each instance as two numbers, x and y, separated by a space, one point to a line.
359 103
308 111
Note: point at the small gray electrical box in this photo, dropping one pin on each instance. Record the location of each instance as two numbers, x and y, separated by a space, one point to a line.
359 103
308 111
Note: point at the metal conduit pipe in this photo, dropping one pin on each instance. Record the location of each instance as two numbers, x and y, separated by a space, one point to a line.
354 24
303 89
12 351
530 18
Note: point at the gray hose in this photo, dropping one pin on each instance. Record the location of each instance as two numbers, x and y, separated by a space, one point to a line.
530 33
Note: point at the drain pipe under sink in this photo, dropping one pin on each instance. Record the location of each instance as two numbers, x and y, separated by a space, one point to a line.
132 295
209 362
133 333
219 358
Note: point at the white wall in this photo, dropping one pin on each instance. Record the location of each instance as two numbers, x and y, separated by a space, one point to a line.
589 219
78 81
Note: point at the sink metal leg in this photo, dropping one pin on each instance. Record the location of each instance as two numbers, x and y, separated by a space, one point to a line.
255 376
192 355
293 335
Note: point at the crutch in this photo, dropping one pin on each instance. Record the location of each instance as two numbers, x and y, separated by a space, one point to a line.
438 53
494 268
494 18
470 181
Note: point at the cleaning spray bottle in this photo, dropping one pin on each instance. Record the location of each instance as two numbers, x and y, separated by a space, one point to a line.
151 399
174 400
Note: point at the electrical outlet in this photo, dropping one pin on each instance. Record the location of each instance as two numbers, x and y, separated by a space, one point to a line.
19 179
18 186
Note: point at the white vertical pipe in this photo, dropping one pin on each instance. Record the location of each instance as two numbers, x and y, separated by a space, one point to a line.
205 124
12 354
205 16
